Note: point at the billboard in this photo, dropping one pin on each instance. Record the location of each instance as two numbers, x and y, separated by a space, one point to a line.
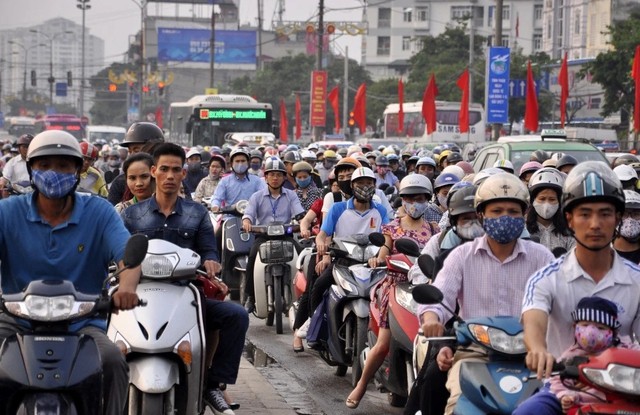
497 92
318 99
192 45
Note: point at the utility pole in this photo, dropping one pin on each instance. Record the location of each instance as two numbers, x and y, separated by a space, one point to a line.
498 42
317 131
471 47
260 18
345 92
212 46
84 6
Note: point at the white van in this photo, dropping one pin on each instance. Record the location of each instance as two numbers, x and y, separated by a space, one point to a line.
105 132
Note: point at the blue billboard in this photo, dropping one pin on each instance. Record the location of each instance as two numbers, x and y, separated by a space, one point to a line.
497 95
192 45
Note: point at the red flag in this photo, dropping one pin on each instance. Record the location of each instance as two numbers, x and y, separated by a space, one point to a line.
298 133
283 122
159 116
401 102
360 108
333 101
563 80
429 104
531 105
635 74
463 117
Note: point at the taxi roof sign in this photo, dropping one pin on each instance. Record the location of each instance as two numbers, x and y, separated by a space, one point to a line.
553 133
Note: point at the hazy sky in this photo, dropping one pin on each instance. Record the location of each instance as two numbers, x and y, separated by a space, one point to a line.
115 20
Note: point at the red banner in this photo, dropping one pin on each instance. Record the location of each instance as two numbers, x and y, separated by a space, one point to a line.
318 99
563 80
298 133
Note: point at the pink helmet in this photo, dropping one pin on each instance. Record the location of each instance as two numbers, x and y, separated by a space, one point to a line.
529 167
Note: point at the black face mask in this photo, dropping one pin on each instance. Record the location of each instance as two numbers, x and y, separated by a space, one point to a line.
345 187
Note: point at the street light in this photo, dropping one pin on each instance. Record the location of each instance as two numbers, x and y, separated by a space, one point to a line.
26 60
51 38
84 6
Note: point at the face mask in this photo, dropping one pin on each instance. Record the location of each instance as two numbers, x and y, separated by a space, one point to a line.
328 164
114 163
545 210
443 201
592 339
382 170
240 168
470 230
52 184
194 167
304 182
364 193
415 209
630 229
504 229
256 166
345 187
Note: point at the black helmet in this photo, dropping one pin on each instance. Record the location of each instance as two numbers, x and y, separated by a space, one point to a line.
382 161
256 154
454 158
592 181
462 201
566 160
539 156
291 157
273 163
24 140
141 132
205 158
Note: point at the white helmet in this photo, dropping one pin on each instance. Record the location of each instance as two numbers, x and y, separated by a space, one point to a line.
454 169
416 184
631 199
54 143
625 172
362 172
503 186
547 177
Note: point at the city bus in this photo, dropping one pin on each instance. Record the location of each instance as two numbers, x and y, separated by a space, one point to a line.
447 129
66 122
206 120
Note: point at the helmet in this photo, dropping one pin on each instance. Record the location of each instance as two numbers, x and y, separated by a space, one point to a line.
330 154
205 157
452 168
466 167
270 151
342 152
592 181
505 165
308 155
381 147
362 172
219 159
416 184
302 166
274 164
482 175
625 172
388 151
291 157
382 161
24 140
393 158
240 151
193 152
529 166
625 159
454 157
566 160
141 132
370 155
445 179
282 148
292 147
6 147
502 186
415 160
54 143
363 161
549 163
89 150
256 154
425 161
443 156
631 199
347 162
539 156
546 178
460 200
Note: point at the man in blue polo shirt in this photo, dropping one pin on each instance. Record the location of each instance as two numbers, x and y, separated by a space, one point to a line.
56 233
185 223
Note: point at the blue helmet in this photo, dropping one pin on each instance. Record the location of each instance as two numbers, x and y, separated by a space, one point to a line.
445 179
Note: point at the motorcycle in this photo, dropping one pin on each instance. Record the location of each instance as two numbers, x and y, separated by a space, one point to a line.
18 188
348 304
396 375
495 386
272 279
303 264
164 344
47 369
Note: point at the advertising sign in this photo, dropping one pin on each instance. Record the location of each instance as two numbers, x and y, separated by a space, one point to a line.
497 95
318 99
192 45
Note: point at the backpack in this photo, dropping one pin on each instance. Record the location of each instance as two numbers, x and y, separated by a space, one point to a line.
318 330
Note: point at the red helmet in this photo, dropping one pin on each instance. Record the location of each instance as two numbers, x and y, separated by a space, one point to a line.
89 150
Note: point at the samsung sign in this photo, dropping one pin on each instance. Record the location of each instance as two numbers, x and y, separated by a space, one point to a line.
192 45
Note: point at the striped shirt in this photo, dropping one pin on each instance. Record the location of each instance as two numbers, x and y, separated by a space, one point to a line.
482 284
557 288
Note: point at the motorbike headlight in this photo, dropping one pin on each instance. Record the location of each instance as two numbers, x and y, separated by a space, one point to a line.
498 340
275 230
39 308
616 377
370 252
159 266
241 206
340 275
405 299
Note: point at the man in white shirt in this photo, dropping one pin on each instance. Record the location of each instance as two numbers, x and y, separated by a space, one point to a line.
15 171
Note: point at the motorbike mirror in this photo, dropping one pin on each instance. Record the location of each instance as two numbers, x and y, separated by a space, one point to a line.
427 294
135 251
426 264
408 247
389 190
558 251
376 238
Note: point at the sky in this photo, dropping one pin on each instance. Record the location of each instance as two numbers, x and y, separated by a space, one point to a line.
115 20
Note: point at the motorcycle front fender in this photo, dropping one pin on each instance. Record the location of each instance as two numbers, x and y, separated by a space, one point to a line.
359 307
153 374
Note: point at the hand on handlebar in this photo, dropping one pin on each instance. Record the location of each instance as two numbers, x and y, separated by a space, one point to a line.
212 267
541 362
305 233
215 209
246 225
125 300
322 265
373 262
445 358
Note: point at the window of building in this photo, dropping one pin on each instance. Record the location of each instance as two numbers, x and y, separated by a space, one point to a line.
418 44
460 12
384 46
422 14
406 42
384 17
407 14
506 14
537 42
594 103
505 42
537 12
549 28
576 23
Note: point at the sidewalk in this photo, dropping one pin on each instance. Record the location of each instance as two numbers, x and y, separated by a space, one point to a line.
255 394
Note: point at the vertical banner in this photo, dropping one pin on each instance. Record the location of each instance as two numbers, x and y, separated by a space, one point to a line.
318 103
497 91
298 132
284 122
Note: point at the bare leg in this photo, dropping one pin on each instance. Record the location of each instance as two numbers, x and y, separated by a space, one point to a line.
375 357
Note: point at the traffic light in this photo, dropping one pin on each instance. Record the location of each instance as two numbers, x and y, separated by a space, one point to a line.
160 88
33 78
351 122
113 87
69 78
145 89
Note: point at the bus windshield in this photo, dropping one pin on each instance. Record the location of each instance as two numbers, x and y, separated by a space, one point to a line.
212 133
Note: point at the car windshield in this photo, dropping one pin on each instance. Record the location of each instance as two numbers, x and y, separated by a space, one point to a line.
518 158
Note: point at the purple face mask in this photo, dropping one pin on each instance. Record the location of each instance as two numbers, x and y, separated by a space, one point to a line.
593 339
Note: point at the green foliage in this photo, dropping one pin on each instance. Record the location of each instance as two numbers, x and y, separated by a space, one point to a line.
109 108
518 70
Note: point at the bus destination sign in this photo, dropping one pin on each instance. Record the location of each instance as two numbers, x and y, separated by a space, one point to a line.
232 114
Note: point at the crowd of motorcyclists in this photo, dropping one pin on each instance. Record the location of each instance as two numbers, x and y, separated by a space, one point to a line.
532 243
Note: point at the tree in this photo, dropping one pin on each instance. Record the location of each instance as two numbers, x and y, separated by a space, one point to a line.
518 70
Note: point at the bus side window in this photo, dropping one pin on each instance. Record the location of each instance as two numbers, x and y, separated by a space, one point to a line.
188 127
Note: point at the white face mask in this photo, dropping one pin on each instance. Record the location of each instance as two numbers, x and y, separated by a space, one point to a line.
470 230
546 210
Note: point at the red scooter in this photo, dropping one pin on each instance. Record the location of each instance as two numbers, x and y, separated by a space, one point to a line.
396 375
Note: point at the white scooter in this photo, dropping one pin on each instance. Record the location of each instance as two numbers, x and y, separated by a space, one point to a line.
164 343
